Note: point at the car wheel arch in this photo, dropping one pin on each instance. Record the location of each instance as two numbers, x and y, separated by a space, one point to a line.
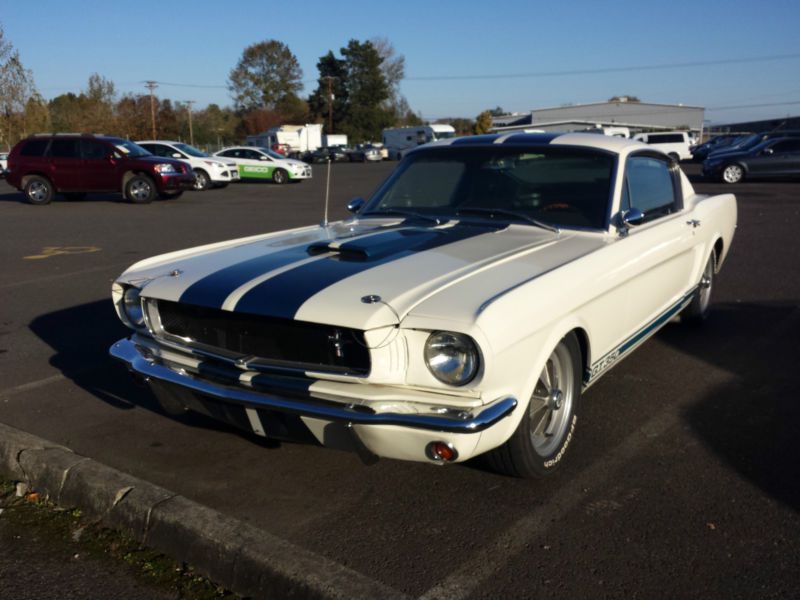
25 178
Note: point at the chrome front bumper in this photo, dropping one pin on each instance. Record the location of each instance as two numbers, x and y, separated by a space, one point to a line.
140 362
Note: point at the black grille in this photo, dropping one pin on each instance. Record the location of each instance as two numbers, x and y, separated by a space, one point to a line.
275 342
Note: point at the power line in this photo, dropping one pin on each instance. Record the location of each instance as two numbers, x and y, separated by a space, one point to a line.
596 70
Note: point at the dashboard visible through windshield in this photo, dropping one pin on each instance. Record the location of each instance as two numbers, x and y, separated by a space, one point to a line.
561 187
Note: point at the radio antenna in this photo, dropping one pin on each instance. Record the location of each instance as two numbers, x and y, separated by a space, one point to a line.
327 193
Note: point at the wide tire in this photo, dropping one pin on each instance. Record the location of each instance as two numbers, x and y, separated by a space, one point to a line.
201 180
700 307
280 176
38 190
732 173
537 447
140 189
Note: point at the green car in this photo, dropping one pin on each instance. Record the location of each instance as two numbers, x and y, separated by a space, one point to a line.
262 163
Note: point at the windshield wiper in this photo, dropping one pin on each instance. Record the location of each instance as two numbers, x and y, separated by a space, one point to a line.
405 213
490 212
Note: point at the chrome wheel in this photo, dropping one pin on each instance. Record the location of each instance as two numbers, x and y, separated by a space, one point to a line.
706 284
38 191
279 176
550 408
732 174
201 181
140 190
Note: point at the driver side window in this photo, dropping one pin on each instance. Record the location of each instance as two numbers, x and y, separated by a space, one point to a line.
650 187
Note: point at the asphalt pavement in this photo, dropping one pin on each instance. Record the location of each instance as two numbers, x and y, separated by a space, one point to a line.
682 480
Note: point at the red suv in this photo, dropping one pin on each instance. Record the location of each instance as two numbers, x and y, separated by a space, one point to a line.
42 165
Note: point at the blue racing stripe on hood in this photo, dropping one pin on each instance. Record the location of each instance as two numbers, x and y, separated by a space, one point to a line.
213 289
284 294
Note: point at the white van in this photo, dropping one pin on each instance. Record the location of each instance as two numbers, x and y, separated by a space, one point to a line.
674 143
398 140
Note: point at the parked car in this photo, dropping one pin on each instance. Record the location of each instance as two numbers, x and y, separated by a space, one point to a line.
262 163
673 143
701 151
364 153
325 154
208 171
772 158
75 165
748 142
3 164
462 310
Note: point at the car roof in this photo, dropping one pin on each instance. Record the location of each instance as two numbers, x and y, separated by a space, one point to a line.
172 142
616 145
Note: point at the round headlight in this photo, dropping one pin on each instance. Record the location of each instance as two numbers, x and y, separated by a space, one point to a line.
451 357
132 306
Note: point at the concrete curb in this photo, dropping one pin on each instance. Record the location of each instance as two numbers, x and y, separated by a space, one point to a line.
243 558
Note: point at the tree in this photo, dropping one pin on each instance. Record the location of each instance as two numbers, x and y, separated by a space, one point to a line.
624 99
367 90
16 88
266 73
461 125
483 123
497 111
393 67
333 70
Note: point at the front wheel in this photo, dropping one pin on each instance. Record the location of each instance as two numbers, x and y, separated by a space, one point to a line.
201 180
732 174
140 189
280 176
541 439
699 308
38 190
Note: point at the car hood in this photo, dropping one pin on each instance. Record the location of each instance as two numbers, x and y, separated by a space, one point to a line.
361 274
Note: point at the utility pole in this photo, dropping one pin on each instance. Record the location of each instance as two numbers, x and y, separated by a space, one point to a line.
151 85
191 131
330 78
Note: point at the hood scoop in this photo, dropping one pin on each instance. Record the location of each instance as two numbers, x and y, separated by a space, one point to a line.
378 246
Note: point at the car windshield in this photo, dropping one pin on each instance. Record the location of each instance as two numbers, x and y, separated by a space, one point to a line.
562 187
191 150
271 153
129 149
443 135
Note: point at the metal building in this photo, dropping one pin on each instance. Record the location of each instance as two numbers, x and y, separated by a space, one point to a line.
637 116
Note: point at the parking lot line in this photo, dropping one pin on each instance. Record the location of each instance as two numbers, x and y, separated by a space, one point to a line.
31 385
495 555
38 280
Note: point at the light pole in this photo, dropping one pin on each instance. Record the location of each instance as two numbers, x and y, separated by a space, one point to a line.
151 85
191 131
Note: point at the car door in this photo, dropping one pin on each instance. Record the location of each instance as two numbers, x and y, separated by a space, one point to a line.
662 252
784 159
100 170
255 165
65 163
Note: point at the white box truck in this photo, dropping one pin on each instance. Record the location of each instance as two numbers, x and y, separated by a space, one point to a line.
334 139
295 140
400 139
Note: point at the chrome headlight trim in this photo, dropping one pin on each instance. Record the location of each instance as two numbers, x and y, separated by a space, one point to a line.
451 357
132 307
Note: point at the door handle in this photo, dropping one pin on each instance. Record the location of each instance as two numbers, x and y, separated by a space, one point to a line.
694 223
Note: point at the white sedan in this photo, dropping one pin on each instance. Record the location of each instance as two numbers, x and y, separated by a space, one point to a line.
462 310
262 163
208 172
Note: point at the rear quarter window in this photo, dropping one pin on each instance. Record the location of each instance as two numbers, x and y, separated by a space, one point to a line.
34 148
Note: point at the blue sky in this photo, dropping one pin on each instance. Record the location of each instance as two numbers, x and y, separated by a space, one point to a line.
199 42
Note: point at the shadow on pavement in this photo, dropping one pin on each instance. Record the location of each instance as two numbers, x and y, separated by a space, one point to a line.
752 422
81 336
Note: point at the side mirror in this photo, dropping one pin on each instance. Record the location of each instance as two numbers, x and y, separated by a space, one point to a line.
177 155
632 217
356 204
262 157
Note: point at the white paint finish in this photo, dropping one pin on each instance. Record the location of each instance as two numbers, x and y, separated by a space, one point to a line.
255 422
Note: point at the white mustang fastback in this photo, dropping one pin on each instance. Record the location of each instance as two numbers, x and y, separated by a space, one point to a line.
462 310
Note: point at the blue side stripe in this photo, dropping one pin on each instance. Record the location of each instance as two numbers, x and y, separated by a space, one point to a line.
284 294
